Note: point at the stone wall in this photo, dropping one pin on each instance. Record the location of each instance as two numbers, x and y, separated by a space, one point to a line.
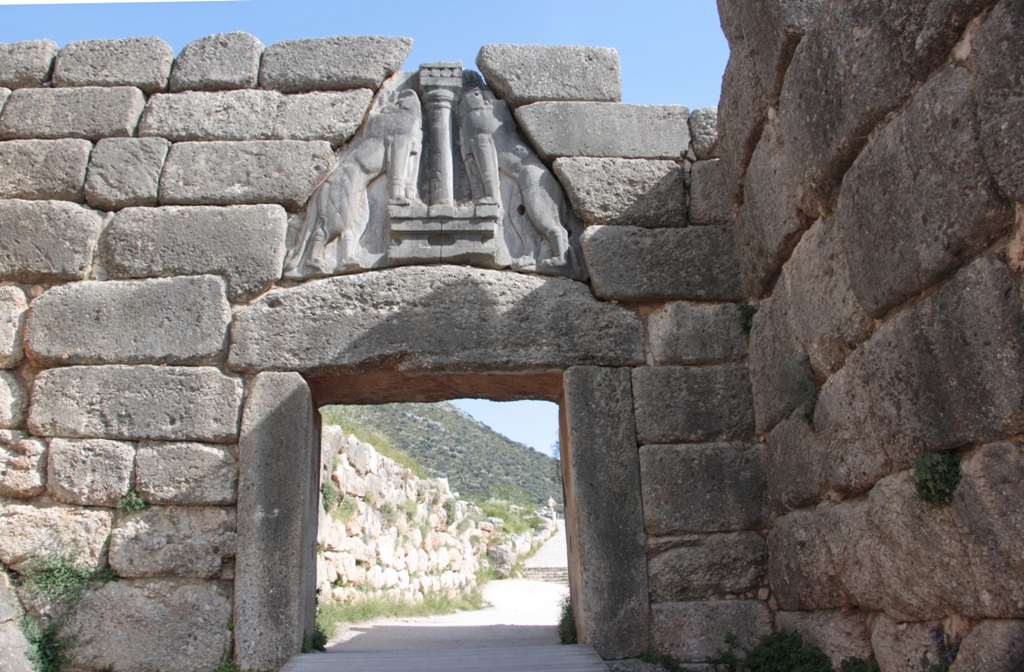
875 173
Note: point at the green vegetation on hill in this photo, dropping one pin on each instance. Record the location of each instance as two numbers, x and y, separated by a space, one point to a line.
477 461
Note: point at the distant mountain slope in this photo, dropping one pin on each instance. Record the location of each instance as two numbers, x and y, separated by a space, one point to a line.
449 443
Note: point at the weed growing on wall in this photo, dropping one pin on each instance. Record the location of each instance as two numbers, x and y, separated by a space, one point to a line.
567 622
46 647
778 652
936 477
946 650
859 665
346 511
331 495
131 503
747 318
449 510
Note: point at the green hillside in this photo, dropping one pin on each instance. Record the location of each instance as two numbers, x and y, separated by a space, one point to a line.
448 443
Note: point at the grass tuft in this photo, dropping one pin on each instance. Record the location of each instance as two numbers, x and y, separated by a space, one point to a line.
936 477
131 503
567 622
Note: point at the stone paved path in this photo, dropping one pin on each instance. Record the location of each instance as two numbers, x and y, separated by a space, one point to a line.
553 554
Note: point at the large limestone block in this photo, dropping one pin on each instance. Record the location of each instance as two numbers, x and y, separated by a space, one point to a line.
278 502
999 65
185 541
769 222
841 634
885 408
89 112
698 567
704 133
137 402
857 62
742 113
46 241
26 64
332 63
29 534
157 624
694 632
217 62
992 645
93 472
919 200
611 595
710 202
507 321
794 465
160 321
43 169
629 263
826 317
13 401
12 322
527 73
125 171
701 488
635 192
256 115
696 333
612 130
22 465
186 473
230 173
144 62
244 243
692 404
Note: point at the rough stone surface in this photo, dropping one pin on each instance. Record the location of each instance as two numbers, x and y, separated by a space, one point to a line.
12 322
692 404
886 406
704 133
13 401
742 113
14 648
635 192
522 74
186 473
794 465
217 62
144 62
858 62
404 315
894 553
93 472
696 333
89 112
826 318
46 241
277 518
696 631
22 466
769 223
137 402
182 541
999 64
612 130
629 263
709 197
4 95
125 171
613 615
992 645
26 64
30 533
244 243
229 173
256 115
698 567
919 200
899 647
162 321
700 488
841 634
43 169
179 625
332 63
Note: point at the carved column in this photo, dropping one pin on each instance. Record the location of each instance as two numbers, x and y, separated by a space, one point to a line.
441 84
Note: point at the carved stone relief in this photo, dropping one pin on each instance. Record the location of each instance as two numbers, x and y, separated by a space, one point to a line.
438 173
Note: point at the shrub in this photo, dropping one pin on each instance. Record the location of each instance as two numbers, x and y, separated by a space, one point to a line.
331 494
46 648
449 511
388 514
936 477
131 503
777 652
567 622
859 665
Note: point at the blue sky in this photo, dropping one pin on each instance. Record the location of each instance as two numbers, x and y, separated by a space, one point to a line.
672 51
